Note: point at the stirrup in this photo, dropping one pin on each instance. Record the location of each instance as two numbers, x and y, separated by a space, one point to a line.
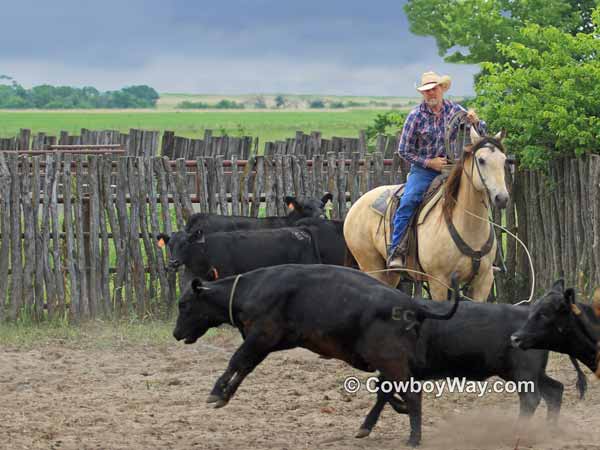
396 260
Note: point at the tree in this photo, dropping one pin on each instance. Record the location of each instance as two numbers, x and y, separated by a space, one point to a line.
280 101
317 103
144 94
388 123
547 96
478 26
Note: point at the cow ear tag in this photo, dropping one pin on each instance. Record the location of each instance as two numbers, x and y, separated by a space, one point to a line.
575 309
161 242
291 206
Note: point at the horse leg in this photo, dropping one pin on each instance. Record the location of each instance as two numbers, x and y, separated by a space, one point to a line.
438 290
371 262
418 289
480 288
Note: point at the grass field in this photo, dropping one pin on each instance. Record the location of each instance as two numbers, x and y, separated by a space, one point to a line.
268 125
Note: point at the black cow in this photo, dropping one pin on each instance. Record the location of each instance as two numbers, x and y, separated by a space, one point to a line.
298 208
229 253
476 345
333 311
330 237
556 322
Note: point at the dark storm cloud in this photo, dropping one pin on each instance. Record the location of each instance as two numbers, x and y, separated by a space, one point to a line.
133 37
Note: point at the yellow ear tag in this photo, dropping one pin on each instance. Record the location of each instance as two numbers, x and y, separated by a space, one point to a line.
291 206
575 309
161 242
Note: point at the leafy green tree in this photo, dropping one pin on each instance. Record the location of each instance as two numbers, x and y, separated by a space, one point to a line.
388 123
478 26
229 104
317 103
548 96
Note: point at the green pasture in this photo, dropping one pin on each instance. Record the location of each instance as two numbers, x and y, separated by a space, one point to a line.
268 125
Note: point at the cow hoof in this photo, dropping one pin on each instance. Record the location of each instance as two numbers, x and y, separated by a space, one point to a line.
412 442
220 403
212 398
362 432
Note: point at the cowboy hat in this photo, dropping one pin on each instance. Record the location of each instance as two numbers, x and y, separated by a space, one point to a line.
430 80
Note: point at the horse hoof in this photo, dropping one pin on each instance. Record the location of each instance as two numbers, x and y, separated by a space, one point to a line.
212 398
363 432
220 403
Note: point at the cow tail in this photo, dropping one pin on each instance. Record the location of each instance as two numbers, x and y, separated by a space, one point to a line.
581 383
424 314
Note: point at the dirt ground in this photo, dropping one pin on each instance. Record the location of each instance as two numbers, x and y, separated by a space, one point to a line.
126 396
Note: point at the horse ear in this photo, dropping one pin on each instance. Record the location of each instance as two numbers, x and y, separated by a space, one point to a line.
501 135
475 136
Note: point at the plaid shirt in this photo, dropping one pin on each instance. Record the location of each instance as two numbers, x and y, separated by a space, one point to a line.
423 133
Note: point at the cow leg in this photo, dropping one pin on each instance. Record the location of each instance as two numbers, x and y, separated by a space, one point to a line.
552 393
414 406
216 395
373 416
529 401
249 355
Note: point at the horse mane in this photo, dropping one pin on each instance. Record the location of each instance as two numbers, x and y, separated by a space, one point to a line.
453 182
452 186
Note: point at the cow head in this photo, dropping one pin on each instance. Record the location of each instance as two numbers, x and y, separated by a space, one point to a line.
559 324
187 249
198 312
300 208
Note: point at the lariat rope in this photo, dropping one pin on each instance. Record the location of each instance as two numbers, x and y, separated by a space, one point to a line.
235 282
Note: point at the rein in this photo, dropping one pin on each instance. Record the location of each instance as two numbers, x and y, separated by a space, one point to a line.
475 255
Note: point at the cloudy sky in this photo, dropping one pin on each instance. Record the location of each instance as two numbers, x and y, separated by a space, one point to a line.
343 47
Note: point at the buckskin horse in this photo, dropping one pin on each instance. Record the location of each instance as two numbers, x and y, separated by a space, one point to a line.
455 235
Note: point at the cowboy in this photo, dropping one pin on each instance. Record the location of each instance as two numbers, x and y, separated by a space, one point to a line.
422 144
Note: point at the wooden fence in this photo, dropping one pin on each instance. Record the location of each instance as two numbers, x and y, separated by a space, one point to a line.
77 232
153 143
557 214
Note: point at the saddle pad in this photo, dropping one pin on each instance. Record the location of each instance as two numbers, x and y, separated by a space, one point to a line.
380 205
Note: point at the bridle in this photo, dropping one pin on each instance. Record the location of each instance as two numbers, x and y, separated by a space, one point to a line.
486 142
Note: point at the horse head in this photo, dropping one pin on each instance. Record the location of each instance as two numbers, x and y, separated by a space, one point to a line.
485 165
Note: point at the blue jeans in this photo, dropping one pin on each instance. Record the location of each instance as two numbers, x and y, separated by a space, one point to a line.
414 190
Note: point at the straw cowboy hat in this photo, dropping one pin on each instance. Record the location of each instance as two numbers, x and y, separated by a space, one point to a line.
430 80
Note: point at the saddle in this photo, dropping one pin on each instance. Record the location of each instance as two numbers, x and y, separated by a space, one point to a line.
387 203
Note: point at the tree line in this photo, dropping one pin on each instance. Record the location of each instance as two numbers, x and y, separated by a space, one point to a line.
15 96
